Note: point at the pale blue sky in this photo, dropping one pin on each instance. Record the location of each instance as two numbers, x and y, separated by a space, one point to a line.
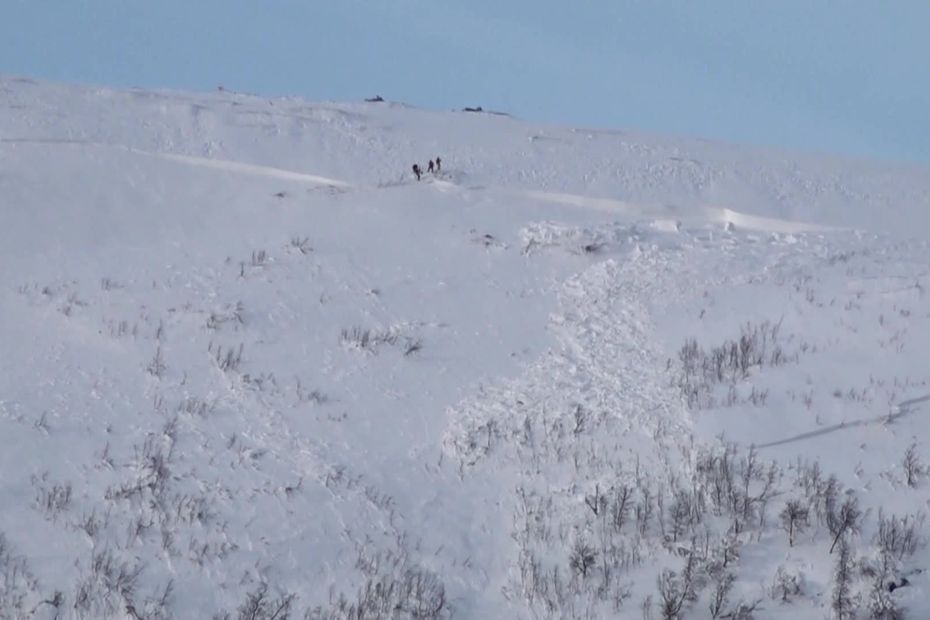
848 76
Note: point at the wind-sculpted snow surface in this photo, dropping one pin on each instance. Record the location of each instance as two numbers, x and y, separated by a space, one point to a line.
250 369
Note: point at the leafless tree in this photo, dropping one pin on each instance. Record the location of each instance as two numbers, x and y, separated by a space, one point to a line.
794 518
721 595
582 558
914 468
844 606
847 520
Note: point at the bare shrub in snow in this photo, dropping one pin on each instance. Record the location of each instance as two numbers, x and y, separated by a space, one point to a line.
395 587
156 366
154 607
674 591
738 486
720 596
227 359
671 594
51 499
259 258
724 554
685 512
785 585
367 339
17 584
120 329
847 520
825 498
794 518
150 466
106 586
301 244
619 503
231 313
881 603
413 345
91 524
898 537
73 301
109 284
262 382
645 509
260 605
808 478
195 406
595 501
914 469
699 371
582 558
313 396
842 600
758 397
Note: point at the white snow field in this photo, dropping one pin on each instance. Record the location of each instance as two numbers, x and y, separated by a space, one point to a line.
250 368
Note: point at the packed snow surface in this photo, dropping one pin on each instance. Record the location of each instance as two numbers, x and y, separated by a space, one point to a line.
251 368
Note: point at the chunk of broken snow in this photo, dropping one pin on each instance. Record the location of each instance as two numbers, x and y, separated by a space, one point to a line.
666 225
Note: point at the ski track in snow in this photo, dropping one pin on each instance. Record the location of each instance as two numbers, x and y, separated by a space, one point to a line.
900 410
194 160
243 168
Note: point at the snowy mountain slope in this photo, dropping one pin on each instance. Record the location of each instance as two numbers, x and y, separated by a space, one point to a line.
244 353
368 144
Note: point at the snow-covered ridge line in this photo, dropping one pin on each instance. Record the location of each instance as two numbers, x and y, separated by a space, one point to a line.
370 144
694 214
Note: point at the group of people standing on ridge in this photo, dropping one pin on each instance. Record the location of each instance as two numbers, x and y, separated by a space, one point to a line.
433 168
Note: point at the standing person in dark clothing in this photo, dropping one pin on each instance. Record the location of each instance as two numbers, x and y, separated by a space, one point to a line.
438 165
429 168
417 171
